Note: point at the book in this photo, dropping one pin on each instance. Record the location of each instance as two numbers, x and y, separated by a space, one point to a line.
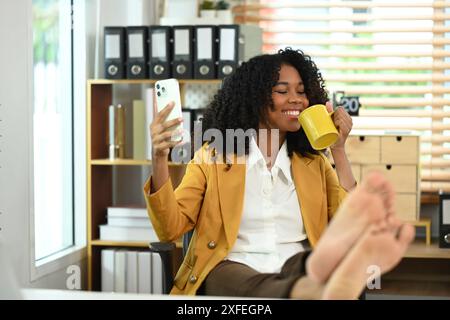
120 119
139 130
128 212
144 272
114 233
157 274
119 270
148 120
131 282
128 222
107 270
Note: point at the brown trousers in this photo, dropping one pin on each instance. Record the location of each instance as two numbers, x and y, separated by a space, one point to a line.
231 278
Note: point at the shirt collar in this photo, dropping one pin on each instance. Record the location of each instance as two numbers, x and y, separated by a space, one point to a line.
283 162
254 154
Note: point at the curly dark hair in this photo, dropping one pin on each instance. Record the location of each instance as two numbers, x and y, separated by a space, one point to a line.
245 96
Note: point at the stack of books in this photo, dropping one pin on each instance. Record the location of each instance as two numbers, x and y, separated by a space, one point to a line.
127 224
131 271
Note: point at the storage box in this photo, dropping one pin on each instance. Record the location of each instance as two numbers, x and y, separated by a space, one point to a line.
397 155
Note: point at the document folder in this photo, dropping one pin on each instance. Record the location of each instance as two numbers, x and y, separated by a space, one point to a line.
205 52
114 45
183 52
160 52
228 50
444 220
137 53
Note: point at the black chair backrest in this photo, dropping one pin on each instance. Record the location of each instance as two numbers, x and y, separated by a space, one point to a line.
186 240
165 251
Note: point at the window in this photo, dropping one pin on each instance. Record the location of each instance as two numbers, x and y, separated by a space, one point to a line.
393 54
53 126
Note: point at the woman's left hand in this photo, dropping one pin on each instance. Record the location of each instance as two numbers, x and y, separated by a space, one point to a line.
343 122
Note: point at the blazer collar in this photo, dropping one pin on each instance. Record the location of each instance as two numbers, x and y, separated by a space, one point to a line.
306 175
231 187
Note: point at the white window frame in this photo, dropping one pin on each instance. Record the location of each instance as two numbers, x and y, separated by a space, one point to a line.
78 251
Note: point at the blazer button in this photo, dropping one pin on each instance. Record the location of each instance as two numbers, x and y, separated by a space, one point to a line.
193 279
212 244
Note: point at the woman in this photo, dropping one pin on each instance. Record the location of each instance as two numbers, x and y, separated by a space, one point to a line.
256 213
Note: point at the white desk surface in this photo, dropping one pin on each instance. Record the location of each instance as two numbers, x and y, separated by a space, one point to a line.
51 294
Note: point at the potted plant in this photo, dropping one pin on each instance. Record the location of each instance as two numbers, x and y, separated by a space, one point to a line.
224 12
222 5
207 9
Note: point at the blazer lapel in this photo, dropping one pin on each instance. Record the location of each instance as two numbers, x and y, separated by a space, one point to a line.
231 187
307 180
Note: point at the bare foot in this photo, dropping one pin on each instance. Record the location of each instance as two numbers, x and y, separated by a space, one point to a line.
381 246
371 202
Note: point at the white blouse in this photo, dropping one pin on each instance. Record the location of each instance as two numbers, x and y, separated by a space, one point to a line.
271 228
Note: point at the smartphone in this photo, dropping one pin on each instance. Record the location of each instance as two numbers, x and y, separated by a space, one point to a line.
167 91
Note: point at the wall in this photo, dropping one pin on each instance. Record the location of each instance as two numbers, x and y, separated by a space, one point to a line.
15 131
16 119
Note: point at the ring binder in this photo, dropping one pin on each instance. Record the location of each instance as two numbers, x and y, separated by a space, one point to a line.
205 52
137 52
183 52
160 47
114 44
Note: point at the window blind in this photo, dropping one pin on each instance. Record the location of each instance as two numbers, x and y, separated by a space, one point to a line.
393 54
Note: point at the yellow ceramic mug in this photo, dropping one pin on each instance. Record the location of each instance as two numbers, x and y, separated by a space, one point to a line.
318 126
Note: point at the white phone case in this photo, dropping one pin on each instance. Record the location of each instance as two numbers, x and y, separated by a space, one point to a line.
169 91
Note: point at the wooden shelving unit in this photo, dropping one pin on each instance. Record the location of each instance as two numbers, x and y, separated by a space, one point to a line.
100 168
136 244
126 162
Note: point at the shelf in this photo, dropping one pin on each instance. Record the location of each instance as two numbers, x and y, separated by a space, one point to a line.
418 249
151 81
137 244
101 173
127 162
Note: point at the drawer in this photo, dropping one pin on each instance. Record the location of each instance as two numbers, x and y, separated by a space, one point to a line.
363 149
356 170
400 150
407 207
403 177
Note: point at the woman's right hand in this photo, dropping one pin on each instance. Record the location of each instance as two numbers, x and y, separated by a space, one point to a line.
161 132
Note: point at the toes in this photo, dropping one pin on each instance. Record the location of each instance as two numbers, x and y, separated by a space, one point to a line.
393 222
376 183
314 269
406 234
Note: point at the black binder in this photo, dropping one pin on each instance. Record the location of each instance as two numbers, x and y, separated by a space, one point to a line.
205 52
444 220
228 59
160 47
137 52
183 52
114 45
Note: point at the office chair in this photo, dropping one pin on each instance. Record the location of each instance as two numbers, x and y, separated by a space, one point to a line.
166 252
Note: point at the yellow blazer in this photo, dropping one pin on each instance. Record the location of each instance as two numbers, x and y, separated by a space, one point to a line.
210 199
